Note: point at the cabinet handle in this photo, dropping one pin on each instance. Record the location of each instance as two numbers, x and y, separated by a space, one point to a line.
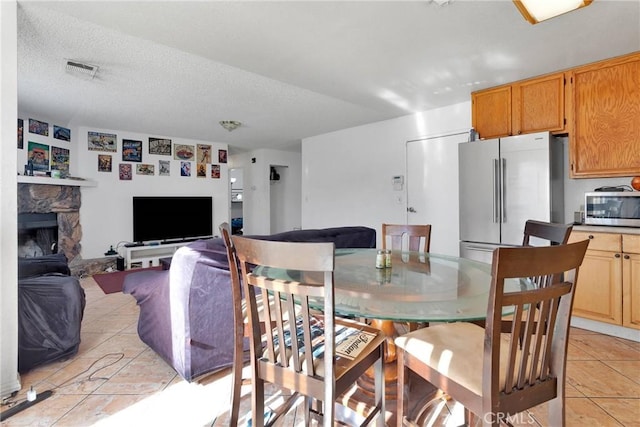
591 236
627 257
617 255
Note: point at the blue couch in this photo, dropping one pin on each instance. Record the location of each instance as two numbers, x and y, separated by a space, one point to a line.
186 312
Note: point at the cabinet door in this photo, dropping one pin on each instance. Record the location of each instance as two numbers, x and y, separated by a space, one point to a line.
538 105
491 112
605 137
599 289
631 281
631 290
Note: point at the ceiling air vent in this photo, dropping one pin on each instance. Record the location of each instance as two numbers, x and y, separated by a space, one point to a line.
79 69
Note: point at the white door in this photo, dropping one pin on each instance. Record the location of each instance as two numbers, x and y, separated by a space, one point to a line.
432 189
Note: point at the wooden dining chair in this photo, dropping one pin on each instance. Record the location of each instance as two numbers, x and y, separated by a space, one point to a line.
306 364
496 375
415 234
239 325
554 234
557 234
418 238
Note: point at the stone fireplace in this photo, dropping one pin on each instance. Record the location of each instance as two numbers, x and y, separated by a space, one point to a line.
62 200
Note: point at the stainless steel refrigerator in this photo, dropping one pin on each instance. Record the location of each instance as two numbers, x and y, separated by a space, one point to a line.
503 183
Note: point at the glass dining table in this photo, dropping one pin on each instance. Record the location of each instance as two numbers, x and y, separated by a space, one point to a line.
418 287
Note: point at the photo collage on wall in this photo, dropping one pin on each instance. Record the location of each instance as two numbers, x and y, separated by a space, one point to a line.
43 157
132 151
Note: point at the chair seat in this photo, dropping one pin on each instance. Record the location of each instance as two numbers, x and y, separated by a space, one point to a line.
446 348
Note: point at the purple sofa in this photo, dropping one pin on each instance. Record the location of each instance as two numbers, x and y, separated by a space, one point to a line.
186 312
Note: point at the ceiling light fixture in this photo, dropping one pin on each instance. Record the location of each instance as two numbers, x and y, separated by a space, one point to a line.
230 124
536 11
82 70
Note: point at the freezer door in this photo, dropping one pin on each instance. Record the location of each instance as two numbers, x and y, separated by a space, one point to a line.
478 184
526 183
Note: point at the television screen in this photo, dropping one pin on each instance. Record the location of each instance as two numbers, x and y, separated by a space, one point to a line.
172 218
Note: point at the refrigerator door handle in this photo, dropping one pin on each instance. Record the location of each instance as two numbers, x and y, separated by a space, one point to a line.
496 191
503 193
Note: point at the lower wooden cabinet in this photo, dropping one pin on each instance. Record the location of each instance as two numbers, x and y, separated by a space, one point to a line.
608 288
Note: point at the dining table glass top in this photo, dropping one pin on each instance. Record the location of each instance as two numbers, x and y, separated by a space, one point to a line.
418 287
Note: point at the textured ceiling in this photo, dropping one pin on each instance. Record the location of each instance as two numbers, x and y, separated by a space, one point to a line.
292 69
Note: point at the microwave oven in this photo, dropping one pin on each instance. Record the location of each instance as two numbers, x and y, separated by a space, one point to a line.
621 208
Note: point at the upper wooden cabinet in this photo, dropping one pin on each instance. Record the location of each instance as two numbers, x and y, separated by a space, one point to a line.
531 105
597 105
605 138
491 112
538 104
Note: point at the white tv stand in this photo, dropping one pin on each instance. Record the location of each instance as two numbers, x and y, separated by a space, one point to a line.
149 255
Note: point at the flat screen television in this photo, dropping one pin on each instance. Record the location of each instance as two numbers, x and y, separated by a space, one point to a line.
172 218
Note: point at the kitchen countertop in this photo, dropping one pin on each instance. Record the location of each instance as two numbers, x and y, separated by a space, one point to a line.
607 229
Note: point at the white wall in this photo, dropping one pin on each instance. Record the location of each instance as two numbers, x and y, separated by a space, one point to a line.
347 174
257 190
106 212
9 378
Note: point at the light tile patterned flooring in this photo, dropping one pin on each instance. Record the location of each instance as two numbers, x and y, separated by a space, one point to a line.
116 380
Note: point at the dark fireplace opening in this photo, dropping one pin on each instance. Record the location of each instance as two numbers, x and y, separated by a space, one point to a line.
37 234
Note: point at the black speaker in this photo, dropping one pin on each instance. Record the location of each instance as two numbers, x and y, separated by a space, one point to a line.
120 263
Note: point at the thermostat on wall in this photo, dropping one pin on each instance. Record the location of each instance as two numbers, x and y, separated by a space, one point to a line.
398 182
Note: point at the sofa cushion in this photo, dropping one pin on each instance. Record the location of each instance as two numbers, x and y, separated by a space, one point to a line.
37 266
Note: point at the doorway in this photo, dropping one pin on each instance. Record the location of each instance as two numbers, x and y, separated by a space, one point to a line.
236 210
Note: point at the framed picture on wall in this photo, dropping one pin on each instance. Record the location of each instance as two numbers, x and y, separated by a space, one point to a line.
38 127
125 171
39 155
204 153
131 150
145 169
222 156
60 159
201 170
104 162
185 168
61 133
183 152
215 171
20 134
102 141
164 167
160 146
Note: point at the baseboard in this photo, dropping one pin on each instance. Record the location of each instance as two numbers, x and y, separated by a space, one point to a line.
605 328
